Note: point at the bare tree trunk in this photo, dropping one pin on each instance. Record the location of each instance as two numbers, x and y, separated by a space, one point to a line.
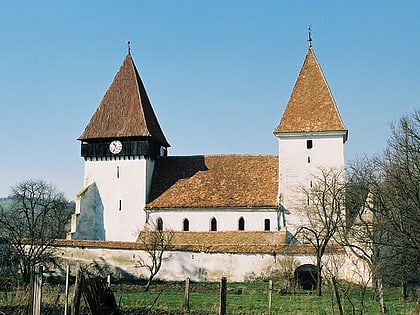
318 277
337 295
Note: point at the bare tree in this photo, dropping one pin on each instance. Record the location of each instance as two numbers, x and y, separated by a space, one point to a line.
156 242
401 185
324 214
366 215
37 215
383 203
283 271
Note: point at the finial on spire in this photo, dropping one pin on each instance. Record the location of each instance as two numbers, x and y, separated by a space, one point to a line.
309 37
129 48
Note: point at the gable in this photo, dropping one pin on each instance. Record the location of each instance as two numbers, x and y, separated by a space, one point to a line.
215 181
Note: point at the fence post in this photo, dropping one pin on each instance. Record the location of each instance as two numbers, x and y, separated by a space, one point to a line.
270 295
66 302
187 295
37 291
75 306
223 291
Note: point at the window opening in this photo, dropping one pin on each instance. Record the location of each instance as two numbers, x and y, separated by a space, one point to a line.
118 172
267 225
213 224
186 225
119 205
241 224
309 159
309 144
159 224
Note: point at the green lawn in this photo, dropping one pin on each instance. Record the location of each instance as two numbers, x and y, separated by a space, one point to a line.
254 300
242 298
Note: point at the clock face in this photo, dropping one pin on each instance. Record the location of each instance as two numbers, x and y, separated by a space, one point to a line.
115 147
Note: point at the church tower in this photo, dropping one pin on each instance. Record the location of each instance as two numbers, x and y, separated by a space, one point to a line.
119 145
310 134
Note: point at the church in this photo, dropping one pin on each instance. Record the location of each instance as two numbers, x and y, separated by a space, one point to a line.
227 205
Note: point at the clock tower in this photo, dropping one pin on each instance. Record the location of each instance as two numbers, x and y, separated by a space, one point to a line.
119 146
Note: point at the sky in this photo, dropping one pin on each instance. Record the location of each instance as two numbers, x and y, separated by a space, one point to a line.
218 73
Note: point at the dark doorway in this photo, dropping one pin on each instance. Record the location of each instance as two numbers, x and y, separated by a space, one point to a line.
305 276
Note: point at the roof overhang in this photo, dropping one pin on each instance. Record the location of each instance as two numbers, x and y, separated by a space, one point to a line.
309 134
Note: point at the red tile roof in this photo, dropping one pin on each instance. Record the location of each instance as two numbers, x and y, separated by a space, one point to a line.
125 110
311 106
214 242
215 181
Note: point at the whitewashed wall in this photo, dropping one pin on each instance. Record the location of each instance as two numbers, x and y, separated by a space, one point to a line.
122 186
298 164
236 267
227 219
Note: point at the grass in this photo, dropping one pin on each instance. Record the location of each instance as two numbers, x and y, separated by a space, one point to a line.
242 298
254 300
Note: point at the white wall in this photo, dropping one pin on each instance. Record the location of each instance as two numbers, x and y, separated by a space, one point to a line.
298 165
227 219
122 186
236 267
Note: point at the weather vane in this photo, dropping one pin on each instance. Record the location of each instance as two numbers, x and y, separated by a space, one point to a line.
309 37
129 48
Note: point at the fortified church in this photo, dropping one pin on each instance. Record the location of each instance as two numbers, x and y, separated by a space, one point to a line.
242 208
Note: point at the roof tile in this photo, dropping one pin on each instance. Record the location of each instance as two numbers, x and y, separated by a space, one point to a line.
215 181
125 110
311 107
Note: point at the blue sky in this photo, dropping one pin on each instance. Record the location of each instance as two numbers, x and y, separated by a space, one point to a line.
218 73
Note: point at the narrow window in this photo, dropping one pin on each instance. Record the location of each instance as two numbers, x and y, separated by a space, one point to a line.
308 201
309 144
267 225
119 205
241 224
309 159
159 224
213 224
185 225
118 172
310 184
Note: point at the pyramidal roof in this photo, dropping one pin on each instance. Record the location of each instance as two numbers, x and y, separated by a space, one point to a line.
311 107
125 110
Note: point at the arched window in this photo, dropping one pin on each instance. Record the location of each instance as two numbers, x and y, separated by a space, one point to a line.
213 224
267 225
241 224
185 225
159 224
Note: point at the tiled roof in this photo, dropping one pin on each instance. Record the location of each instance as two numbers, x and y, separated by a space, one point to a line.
311 107
214 242
215 181
125 110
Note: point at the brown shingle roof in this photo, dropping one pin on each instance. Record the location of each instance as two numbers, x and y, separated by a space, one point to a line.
125 110
215 181
311 106
208 242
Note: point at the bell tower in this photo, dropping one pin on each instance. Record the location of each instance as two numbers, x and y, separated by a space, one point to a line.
311 134
119 146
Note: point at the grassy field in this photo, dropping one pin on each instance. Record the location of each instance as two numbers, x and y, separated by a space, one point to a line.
253 299
242 298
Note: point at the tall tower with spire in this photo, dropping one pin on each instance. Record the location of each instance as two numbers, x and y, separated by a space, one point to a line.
311 135
119 145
